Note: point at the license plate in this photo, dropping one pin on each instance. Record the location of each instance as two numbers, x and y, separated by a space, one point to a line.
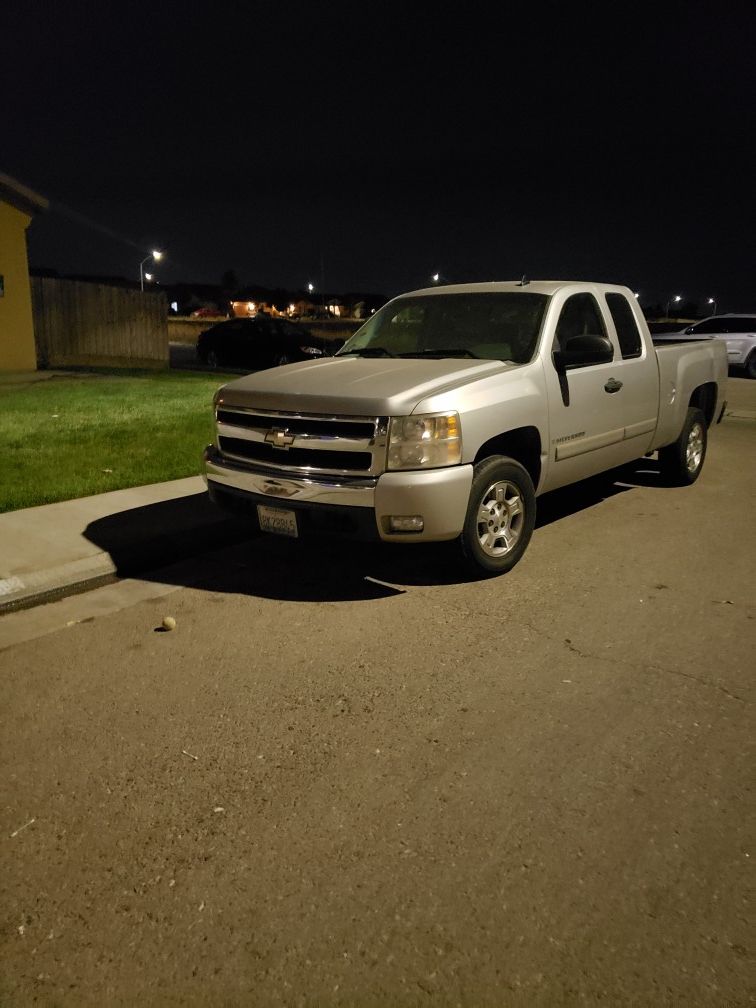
278 521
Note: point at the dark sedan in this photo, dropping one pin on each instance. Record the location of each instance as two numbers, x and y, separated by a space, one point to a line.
256 343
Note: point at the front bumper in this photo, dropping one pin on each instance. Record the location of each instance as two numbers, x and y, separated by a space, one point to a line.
358 507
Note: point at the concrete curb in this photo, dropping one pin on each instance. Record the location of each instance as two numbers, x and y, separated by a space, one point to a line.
60 549
36 587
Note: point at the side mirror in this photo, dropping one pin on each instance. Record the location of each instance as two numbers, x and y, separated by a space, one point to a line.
583 350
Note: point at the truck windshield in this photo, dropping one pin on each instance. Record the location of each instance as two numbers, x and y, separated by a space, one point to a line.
495 326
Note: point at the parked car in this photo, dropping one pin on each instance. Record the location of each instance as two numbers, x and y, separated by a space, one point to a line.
453 408
738 332
208 313
257 343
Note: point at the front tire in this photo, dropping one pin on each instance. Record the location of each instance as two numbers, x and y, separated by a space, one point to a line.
682 461
500 516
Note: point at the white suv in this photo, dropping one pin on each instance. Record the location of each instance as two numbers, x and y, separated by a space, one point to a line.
738 332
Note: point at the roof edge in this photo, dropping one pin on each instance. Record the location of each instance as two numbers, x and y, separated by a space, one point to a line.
20 196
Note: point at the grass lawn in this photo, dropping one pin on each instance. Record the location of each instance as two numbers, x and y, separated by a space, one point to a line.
84 433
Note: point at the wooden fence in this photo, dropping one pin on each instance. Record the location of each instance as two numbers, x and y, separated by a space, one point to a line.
84 324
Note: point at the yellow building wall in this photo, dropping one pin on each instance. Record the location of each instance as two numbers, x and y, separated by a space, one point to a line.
17 347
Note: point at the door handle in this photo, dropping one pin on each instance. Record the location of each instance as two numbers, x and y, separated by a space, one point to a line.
613 385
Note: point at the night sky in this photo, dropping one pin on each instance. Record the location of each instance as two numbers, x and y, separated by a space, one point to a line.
594 141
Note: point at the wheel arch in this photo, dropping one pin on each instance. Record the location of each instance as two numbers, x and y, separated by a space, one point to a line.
705 399
523 444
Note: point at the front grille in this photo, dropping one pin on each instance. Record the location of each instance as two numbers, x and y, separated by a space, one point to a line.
299 458
318 443
301 426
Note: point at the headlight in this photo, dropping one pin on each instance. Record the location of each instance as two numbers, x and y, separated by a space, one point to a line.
425 441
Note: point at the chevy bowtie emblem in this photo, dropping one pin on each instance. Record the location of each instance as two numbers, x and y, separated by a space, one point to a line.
279 438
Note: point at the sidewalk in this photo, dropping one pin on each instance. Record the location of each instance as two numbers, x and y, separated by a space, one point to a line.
60 548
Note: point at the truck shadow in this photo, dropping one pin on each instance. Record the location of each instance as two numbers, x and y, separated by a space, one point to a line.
165 542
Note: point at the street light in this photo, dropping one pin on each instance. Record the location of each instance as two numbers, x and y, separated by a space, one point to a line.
157 256
673 300
714 302
436 277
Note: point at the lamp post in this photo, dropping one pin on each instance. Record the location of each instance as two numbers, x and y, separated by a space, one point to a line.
673 300
713 301
157 256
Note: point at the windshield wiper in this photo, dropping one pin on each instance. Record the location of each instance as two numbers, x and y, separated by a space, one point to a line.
452 352
369 351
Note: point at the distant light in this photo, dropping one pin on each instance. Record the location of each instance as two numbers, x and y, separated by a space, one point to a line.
711 301
174 305
251 305
310 288
292 308
157 256
636 294
436 277
677 298
148 276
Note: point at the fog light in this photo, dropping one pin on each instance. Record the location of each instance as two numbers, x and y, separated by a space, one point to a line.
406 523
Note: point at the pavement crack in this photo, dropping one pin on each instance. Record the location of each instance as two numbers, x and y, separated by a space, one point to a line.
651 667
701 680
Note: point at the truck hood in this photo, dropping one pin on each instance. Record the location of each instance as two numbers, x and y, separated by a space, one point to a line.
355 386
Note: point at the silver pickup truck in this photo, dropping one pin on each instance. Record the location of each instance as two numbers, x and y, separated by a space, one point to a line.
453 408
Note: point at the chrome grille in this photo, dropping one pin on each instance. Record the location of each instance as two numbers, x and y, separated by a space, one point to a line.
310 426
303 442
300 458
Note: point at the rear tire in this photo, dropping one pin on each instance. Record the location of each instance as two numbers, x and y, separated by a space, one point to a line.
500 516
750 364
281 359
682 461
212 359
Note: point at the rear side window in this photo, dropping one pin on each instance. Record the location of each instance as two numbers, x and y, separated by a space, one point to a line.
625 324
715 325
746 324
721 325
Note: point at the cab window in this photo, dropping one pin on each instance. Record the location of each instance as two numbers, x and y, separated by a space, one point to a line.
581 316
625 324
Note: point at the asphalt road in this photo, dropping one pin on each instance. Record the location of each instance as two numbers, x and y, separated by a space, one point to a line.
348 777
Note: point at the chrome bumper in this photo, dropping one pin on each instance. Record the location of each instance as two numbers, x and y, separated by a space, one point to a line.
440 496
344 491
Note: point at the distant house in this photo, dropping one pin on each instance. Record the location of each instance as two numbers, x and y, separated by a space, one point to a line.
18 205
250 300
361 305
336 307
192 297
